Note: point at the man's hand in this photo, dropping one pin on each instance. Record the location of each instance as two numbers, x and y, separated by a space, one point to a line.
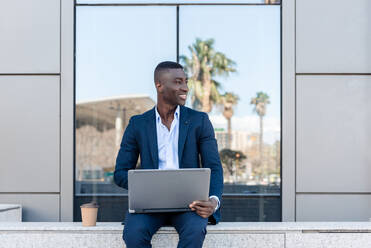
204 208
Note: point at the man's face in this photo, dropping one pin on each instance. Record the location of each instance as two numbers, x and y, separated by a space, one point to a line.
173 87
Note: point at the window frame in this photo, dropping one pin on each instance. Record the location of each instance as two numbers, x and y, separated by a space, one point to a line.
100 3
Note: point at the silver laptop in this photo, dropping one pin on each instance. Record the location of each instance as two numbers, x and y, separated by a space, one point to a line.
156 191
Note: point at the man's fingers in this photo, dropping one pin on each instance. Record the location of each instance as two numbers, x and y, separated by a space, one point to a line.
203 211
201 203
195 208
203 214
201 208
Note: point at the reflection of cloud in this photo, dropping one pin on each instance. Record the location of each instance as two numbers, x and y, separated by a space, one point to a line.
250 123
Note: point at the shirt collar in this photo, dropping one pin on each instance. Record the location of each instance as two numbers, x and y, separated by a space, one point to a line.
176 114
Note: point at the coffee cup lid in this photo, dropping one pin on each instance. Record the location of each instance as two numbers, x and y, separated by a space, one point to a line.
89 205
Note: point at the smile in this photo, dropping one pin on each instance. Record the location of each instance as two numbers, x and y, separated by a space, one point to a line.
183 97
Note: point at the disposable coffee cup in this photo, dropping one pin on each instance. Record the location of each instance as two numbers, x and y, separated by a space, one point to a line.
89 212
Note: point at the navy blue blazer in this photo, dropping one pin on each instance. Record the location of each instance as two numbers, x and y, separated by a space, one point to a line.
196 140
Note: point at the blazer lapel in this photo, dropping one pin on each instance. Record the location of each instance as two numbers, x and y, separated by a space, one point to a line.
152 137
183 129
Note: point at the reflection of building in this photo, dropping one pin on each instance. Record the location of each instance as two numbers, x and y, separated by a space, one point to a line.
222 138
239 141
253 139
100 125
111 112
93 173
266 167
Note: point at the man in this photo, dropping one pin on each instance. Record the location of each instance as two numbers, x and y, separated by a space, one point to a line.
171 136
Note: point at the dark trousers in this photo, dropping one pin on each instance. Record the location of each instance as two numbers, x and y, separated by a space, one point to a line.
139 228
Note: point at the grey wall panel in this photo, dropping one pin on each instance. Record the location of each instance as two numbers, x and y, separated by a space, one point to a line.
326 207
29 131
35 207
67 109
333 36
30 34
288 110
333 133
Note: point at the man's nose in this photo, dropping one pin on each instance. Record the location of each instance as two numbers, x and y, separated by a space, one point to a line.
184 87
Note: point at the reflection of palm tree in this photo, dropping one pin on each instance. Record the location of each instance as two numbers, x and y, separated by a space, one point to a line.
229 100
204 65
260 101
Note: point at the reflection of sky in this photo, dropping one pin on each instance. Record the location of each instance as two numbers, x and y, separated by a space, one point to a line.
249 35
118 48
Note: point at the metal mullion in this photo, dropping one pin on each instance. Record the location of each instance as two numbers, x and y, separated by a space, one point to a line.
172 4
177 33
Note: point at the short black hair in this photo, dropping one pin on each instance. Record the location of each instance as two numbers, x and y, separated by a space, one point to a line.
165 66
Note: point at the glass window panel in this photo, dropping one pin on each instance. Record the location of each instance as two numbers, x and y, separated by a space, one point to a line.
117 49
244 103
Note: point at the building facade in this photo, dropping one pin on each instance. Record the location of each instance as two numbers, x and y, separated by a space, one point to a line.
326 111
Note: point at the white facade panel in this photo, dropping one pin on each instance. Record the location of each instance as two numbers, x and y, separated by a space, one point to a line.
35 207
333 36
333 134
29 36
29 131
327 207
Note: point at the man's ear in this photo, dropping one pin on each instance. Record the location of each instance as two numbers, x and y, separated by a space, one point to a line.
158 86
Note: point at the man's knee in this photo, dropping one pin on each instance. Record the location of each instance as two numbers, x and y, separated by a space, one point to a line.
136 236
192 235
193 231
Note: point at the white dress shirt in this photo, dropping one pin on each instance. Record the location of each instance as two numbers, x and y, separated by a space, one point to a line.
167 142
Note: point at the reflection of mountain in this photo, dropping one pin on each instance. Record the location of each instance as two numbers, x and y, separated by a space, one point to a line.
250 124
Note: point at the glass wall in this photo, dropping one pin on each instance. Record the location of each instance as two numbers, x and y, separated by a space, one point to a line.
117 49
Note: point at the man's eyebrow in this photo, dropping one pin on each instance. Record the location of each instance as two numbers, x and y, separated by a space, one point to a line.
181 78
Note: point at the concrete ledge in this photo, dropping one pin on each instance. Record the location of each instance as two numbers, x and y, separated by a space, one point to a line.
246 234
